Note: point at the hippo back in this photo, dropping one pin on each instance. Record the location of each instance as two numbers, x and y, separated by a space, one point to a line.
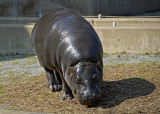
63 38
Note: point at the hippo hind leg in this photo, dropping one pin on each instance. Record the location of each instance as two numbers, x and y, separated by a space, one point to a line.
54 80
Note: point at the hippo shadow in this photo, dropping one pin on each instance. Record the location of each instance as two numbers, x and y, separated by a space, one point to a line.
115 92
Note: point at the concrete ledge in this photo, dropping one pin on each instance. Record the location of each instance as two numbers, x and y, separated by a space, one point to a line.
130 39
18 20
130 35
15 39
124 21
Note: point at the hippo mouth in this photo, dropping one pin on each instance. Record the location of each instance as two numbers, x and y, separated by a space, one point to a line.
89 100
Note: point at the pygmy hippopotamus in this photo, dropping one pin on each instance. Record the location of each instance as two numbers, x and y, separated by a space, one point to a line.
71 53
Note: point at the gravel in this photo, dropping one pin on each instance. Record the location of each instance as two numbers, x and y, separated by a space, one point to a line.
130 58
24 65
19 65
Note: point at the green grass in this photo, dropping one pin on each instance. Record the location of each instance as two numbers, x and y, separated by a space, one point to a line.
2 86
3 61
29 57
116 53
119 53
11 108
32 79
158 72
14 74
24 74
26 94
144 75
148 53
157 53
105 54
1 79
31 62
9 73
28 62
15 63
25 64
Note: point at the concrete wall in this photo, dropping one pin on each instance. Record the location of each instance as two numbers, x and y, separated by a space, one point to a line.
111 7
130 35
128 7
83 7
15 39
16 8
32 8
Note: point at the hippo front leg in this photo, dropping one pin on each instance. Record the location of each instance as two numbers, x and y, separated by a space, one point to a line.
54 80
66 91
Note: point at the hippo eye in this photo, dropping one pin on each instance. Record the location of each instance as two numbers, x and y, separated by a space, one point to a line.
95 78
78 80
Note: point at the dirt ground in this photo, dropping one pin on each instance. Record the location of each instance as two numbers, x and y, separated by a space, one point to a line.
126 88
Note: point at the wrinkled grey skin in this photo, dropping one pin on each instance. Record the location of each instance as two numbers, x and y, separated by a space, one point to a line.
71 53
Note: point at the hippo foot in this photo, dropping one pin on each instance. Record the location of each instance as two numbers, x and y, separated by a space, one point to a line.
55 87
65 96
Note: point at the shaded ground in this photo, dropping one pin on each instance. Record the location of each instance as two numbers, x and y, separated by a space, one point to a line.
127 88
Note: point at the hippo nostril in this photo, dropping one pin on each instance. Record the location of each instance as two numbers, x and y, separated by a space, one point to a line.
94 94
98 96
84 97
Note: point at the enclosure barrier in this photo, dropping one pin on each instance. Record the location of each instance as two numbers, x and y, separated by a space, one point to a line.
122 34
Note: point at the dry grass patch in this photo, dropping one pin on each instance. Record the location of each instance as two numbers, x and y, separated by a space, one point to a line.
127 88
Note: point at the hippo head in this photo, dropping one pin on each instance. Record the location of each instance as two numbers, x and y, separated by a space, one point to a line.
85 80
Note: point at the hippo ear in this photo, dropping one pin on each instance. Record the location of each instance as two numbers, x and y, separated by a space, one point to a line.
98 64
70 69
